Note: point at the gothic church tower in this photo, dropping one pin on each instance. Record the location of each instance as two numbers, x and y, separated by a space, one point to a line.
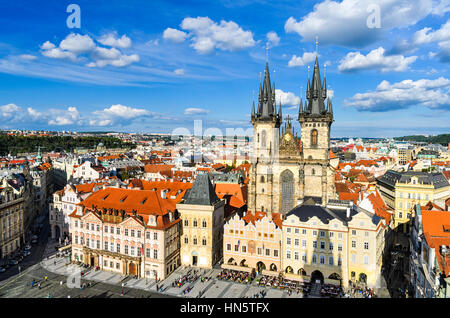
266 122
316 174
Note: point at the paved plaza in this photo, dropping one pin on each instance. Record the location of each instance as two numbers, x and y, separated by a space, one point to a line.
210 288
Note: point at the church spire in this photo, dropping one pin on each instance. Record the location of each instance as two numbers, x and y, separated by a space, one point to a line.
267 108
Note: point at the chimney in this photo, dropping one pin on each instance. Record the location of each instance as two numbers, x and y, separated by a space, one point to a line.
348 212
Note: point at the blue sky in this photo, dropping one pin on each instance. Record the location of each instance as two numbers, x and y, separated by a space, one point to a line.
153 66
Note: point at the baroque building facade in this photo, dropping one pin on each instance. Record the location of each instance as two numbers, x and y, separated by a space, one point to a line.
288 170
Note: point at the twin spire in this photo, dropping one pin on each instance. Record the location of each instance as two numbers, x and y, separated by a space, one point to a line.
314 105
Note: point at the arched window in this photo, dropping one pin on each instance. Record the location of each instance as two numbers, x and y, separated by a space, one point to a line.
263 139
194 223
313 172
262 179
204 241
314 137
195 240
186 240
204 223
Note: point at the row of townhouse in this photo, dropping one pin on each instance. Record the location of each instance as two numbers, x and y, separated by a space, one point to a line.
336 243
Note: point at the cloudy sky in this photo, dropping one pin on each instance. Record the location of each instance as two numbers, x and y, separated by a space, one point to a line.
154 66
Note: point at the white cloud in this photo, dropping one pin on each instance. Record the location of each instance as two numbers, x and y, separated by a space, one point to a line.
65 117
77 43
375 59
111 39
174 35
428 93
9 111
179 71
286 98
205 35
273 38
123 111
28 57
306 58
345 23
74 45
195 111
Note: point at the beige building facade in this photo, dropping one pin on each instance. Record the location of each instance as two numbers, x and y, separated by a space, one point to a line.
202 219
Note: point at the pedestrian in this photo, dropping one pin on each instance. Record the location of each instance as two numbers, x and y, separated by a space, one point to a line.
45 278
121 292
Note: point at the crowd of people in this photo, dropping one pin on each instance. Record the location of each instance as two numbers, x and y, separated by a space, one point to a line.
364 292
329 290
190 277
236 276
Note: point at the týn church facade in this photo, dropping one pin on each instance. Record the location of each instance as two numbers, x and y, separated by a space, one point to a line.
288 170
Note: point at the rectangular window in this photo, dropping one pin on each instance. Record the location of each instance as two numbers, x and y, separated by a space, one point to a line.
304 231
139 234
330 246
147 252
296 242
117 265
106 229
322 259
132 251
98 228
353 258
126 249
126 232
322 233
340 247
132 233
106 246
354 244
366 259
267 252
288 254
155 254
228 247
296 255
118 248
322 245
339 261
259 251
314 258
92 227
288 240
155 236
147 235
244 249
118 230
339 235
314 233
330 261
288 230
304 257
353 232
236 248
303 243
275 253
331 234
111 246
98 244
366 245
314 244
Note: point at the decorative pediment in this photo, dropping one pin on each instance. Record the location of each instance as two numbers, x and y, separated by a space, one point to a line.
90 216
131 221
289 144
